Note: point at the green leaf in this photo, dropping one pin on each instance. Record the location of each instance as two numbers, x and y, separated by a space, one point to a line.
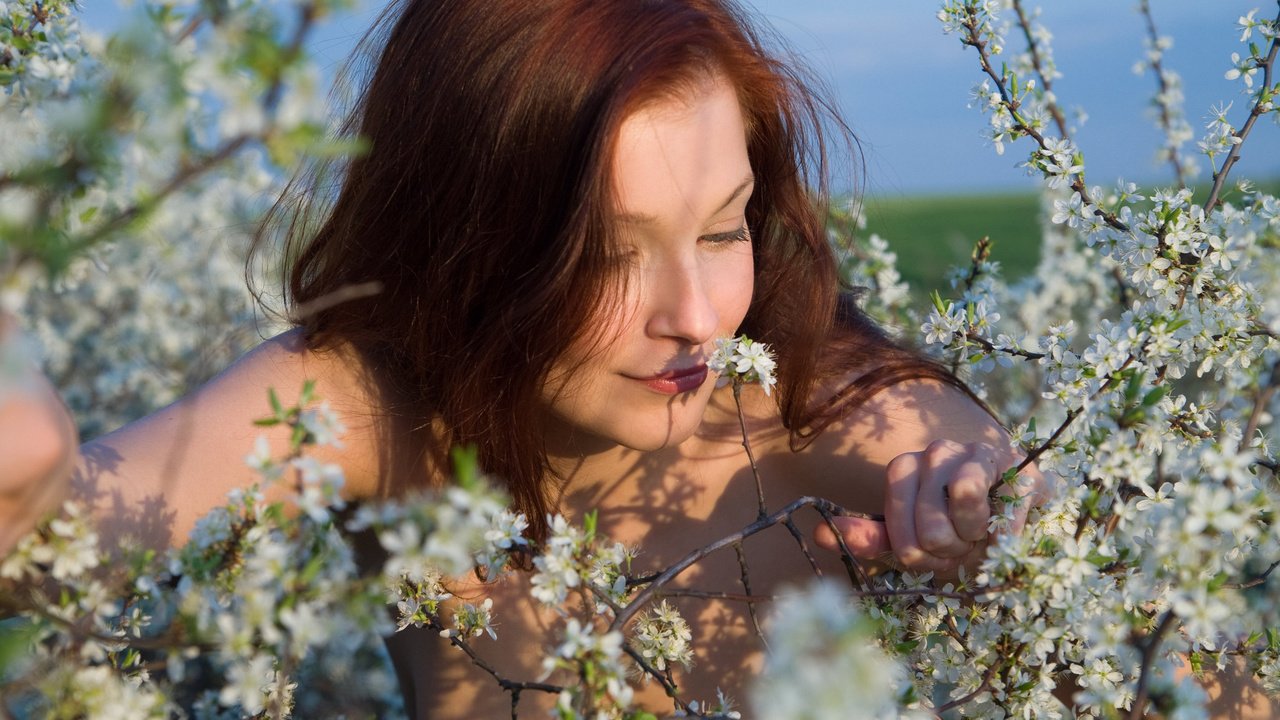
1218 581
312 569
340 147
16 636
938 304
1132 417
1134 386
1091 502
308 394
298 438
466 465
1099 560
276 407
1155 395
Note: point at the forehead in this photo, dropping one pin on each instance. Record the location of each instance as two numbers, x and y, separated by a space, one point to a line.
677 159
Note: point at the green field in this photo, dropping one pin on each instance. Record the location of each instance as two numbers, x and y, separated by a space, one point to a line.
931 233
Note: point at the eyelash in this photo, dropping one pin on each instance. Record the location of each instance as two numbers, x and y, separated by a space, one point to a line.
742 234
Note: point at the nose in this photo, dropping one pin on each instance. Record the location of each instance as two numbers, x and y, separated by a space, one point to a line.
681 305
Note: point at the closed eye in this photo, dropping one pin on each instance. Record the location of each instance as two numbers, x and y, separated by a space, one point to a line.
742 234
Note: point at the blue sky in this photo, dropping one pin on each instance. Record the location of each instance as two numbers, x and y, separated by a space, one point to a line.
904 87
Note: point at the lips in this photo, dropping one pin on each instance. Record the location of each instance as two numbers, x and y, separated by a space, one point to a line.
677 381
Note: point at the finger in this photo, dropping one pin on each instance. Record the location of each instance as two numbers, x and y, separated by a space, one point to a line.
900 515
866 539
934 529
969 505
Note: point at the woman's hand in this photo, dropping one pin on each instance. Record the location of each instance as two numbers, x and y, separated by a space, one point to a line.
37 446
938 507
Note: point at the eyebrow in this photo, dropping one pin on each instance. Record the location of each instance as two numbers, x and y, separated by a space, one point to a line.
635 218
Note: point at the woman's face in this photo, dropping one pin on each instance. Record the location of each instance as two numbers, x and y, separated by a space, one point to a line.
682 180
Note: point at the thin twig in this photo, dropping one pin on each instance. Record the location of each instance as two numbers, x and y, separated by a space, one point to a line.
857 574
189 172
745 576
1044 447
346 293
508 685
1260 402
974 39
1256 581
746 445
1149 650
987 346
1033 48
715 595
667 684
984 686
1163 89
1220 176
804 546
664 577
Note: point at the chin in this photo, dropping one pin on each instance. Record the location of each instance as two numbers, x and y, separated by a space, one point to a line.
652 442
642 422
651 434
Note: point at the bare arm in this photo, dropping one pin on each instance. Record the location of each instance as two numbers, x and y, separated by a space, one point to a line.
37 451
152 479
926 455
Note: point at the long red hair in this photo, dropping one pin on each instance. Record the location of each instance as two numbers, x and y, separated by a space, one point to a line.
482 210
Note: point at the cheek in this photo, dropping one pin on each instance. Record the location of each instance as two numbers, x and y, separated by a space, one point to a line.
604 331
734 289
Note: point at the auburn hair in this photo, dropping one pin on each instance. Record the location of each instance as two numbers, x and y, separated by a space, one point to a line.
482 211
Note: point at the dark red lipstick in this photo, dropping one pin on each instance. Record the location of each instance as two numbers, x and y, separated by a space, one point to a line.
677 381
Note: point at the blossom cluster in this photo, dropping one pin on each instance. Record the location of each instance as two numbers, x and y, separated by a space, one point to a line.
824 662
133 172
1146 333
742 359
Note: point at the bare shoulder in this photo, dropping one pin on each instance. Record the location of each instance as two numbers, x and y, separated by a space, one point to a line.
908 415
153 478
904 417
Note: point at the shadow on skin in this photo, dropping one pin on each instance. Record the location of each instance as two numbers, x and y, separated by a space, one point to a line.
149 522
669 505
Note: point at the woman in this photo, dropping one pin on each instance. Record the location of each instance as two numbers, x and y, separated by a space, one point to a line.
565 203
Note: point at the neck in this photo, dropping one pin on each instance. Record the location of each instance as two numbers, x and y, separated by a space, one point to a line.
589 469
596 473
